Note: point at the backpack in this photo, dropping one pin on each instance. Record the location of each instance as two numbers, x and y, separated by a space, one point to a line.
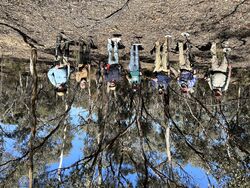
185 76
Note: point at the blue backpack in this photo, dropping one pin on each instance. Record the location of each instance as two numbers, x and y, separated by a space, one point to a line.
186 76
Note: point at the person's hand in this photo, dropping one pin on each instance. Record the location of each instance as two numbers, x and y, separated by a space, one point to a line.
205 78
229 66
107 67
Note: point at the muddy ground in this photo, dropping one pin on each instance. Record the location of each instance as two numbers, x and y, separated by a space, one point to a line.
35 23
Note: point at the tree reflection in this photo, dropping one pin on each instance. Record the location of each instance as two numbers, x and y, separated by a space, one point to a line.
137 139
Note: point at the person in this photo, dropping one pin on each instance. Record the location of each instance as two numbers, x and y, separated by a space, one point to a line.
112 70
82 75
161 71
187 77
83 64
134 67
59 74
220 71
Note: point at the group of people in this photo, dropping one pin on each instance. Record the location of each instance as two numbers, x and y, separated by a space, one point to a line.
218 76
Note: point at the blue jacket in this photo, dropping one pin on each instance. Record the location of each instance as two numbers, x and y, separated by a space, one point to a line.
188 78
162 79
135 77
113 74
58 76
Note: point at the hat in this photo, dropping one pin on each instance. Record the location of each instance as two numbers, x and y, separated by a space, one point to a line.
112 85
112 88
61 90
135 87
184 89
217 93
183 85
160 91
83 84
59 93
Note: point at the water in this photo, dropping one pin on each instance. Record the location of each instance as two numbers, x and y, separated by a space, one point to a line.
118 139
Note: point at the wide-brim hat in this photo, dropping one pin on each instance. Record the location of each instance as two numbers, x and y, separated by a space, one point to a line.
112 87
59 93
218 93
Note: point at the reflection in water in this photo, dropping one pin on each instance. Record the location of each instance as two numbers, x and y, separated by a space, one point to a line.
122 137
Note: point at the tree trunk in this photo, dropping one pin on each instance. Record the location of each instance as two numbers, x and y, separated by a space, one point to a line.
33 119
62 152
168 144
63 146
1 64
90 96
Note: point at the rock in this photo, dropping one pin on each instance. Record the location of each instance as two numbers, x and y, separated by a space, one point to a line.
37 22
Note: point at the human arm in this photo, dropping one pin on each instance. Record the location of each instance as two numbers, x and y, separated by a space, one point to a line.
153 83
194 72
128 78
209 83
228 77
68 70
192 82
51 76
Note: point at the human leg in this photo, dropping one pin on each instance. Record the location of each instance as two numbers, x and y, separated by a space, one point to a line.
66 53
165 56
132 58
109 47
188 57
137 56
58 52
214 60
116 55
224 65
80 54
157 57
86 53
184 57
181 56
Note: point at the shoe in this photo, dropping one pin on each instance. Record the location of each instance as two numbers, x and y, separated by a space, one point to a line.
153 50
157 43
58 39
168 36
213 48
139 46
120 45
185 34
225 44
227 50
180 40
116 39
117 35
92 45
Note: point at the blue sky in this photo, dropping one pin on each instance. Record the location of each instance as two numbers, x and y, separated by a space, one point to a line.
199 176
